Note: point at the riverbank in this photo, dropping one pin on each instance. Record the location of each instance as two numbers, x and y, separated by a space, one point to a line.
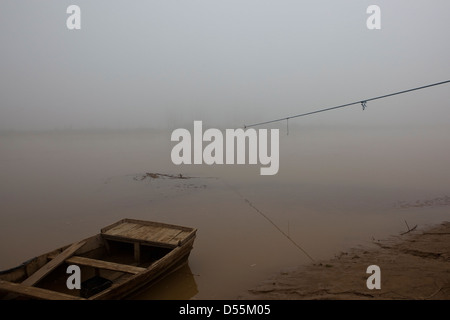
413 266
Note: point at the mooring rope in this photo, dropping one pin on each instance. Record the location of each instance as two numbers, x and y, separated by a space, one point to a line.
269 220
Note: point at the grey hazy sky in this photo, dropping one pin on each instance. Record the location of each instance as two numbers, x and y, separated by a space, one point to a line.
164 63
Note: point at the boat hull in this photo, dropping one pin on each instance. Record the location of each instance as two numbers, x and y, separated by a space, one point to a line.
101 255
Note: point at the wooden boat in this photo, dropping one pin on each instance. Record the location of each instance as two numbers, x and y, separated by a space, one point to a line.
122 259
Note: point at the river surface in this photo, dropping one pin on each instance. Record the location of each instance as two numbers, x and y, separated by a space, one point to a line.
337 187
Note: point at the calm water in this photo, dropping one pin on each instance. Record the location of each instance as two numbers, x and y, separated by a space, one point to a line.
337 188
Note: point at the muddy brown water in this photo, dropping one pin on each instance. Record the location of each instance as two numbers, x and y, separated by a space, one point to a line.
337 188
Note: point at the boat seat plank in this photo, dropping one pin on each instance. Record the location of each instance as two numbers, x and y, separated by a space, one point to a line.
33 292
51 265
105 265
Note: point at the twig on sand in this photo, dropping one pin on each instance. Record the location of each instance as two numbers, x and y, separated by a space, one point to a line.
409 230
407 225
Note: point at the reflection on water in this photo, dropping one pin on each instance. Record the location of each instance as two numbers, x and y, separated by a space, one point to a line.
179 285
336 188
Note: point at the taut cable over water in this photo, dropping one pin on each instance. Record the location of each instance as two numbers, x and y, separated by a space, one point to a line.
362 102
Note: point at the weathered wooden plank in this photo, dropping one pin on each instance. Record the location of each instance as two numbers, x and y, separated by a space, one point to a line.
161 232
143 223
105 265
51 265
150 233
189 236
158 224
162 235
101 264
165 236
121 229
172 236
35 293
182 235
141 232
147 231
134 233
142 242
178 234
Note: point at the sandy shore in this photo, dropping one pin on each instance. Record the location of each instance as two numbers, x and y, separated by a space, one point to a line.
413 266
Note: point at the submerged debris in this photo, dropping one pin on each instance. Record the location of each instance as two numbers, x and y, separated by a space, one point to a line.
150 175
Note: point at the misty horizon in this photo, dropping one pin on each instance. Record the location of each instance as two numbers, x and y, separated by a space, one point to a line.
164 64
